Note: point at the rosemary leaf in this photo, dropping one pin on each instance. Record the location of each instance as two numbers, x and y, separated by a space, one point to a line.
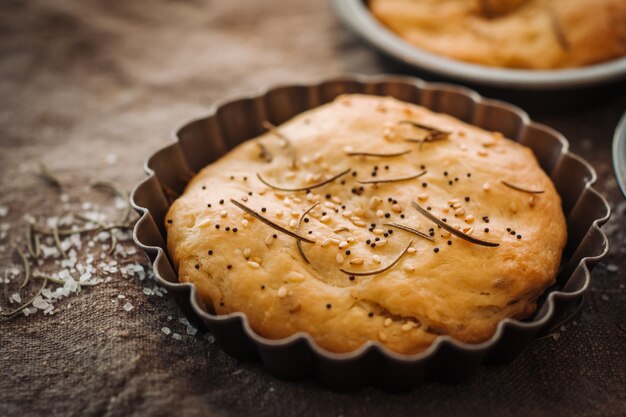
298 243
524 190
383 180
26 266
380 270
311 187
410 230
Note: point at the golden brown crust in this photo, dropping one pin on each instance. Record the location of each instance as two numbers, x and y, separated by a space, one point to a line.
534 34
462 289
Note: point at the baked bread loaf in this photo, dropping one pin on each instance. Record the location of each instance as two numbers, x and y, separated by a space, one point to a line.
532 34
371 219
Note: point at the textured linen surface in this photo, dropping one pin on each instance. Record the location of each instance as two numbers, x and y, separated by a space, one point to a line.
83 80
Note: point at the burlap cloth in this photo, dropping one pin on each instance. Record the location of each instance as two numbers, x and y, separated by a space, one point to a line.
92 87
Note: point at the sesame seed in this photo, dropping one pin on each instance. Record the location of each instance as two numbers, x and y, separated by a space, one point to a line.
357 261
376 259
254 264
469 219
411 250
387 322
339 258
422 197
486 186
282 292
409 268
223 213
247 252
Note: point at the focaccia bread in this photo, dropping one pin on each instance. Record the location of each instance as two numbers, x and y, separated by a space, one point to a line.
532 34
411 224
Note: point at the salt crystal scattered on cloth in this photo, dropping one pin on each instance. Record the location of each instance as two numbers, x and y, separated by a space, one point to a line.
4 210
128 306
177 336
166 330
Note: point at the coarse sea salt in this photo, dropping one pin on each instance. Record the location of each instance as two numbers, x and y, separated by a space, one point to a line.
128 307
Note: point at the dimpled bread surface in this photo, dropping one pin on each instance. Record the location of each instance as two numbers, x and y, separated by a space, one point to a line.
533 34
441 285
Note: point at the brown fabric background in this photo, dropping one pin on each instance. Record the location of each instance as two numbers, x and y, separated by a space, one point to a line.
81 79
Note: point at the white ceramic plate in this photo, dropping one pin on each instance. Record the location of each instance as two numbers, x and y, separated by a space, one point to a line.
356 15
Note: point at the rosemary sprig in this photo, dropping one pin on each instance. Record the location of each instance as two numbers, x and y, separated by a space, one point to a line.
383 180
310 187
60 281
298 243
57 241
451 229
33 242
264 153
274 130
6 284
270 223
433 133
29 302
45 173
379 155
380 270
120 192
26 266
558 31
524 190
410 230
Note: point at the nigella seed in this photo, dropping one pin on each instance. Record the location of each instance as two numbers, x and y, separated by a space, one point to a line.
436 250
275 236
262 287
169 221
368 241
197 266
386 166
208 205
354 173
373 245
445 173
263 209
204 187
306 219
402 216
486 230
249 192
424 185
210 252
329 306
227 229
232 177
422 166
390 231
508 229
351 277
229 266
449 242
221 201
370 314
217 226
456 178
467 199
327 196
377 239
450 182
519 236
235 229
387 215
513 232
348 252
469 175
386 234
429 208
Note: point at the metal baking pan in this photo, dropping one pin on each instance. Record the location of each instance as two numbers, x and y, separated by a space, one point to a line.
357 16
619 154
229 123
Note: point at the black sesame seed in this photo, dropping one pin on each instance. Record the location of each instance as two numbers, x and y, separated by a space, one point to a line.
370 314
263 209
519 236
436 250
169 221
467 199
232 177
402 216
390 199
508 229
310 232
444 220
217 226
373 245
229 266
395 201
513 232
323 213
208 205
351 277
386 166
376 239
368 241
373 224
306 219
386 234
227 228
390 231
429 208
424 185
450 182
486 230
422 166
449 242
221 201
204 187
387 215
469 175
354 174
249 192
210 252
235 229
348 252
343 182
245 178
197 266
275 236
445 173
329 306
456 178
328 196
